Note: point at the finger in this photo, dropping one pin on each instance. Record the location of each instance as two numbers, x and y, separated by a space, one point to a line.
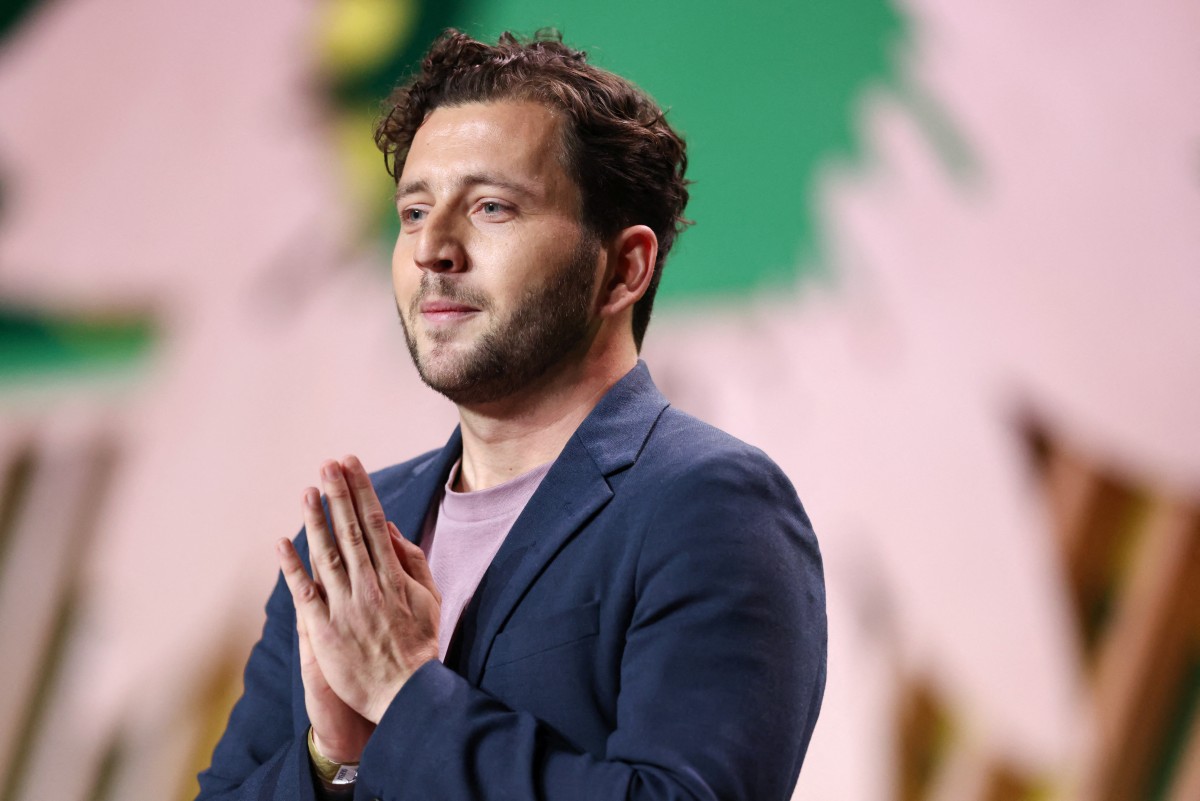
306 654
370 514
310 669
413 560
346 526
305 595
328 569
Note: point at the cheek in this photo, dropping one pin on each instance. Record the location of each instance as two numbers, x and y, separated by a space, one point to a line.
530 258
405 275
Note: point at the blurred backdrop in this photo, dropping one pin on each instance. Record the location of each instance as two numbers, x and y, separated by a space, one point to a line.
945 270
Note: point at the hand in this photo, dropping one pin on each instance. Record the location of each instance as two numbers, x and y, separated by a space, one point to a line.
372 619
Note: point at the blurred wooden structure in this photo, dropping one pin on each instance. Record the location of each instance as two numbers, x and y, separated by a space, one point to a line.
1130 562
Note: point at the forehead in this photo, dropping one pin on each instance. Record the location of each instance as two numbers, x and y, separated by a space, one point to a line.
522 138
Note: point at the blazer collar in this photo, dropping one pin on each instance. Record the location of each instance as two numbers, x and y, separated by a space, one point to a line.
614 433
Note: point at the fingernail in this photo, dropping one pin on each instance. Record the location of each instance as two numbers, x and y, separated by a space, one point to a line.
312 498
330 470
351 461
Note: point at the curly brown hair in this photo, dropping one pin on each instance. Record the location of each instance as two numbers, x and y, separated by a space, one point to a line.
627 161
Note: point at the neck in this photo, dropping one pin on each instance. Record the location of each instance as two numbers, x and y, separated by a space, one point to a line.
503 439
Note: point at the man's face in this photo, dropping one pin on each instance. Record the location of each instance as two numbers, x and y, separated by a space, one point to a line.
493 271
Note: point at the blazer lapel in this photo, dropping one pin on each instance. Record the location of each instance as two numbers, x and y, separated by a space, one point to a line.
574 490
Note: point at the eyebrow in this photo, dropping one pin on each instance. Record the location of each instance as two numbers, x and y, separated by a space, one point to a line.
472 179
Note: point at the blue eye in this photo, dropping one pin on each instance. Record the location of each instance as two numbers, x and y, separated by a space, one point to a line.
492 207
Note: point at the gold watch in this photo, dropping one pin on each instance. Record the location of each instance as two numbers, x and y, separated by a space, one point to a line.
335 773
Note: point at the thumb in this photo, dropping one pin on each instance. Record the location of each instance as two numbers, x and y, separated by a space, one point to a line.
412 558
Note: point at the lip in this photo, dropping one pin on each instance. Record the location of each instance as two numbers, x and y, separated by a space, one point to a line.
445 311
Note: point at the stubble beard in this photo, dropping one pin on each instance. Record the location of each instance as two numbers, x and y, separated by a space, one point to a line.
514 353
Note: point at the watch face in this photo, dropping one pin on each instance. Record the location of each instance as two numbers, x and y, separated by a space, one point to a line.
347 774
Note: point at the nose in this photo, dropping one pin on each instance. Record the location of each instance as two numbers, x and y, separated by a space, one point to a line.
439 246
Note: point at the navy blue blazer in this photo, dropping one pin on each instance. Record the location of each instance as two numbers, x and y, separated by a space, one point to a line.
653 627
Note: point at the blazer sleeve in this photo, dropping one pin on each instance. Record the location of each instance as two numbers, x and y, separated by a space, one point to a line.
721 678
261 756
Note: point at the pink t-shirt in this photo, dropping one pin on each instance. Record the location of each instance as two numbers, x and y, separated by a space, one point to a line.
462 537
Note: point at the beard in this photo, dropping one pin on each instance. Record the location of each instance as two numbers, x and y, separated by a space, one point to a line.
550 322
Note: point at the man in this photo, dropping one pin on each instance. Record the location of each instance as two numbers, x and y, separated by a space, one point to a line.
585 593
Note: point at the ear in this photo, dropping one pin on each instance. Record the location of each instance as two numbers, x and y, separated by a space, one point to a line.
631 257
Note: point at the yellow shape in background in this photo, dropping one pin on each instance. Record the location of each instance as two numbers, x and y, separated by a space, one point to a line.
365 179
355 35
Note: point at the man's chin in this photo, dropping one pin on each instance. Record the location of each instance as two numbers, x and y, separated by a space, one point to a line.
442 359
445 372
457 390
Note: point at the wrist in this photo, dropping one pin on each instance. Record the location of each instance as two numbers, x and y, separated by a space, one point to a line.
343 750
334 774
385 699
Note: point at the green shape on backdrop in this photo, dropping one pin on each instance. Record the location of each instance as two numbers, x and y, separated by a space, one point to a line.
764 92
37 343
12 13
